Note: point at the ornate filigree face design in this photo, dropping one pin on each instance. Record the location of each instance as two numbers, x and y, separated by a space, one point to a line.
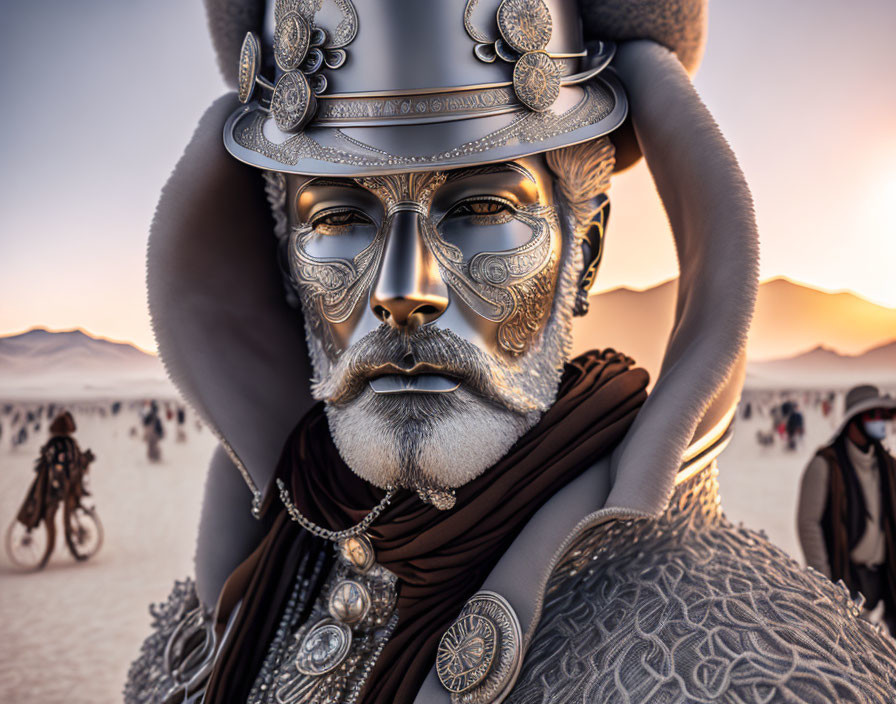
438 311
490 235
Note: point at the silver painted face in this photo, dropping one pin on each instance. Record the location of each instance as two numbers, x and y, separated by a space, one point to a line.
438 308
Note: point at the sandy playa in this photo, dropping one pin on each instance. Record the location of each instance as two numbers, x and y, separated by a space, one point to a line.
70 632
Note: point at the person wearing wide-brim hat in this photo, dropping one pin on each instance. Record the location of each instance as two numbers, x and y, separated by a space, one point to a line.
847 508
468 513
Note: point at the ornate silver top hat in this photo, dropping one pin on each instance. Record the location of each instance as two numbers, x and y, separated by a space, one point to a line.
398 85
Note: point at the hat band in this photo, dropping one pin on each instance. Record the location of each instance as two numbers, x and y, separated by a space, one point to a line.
371 111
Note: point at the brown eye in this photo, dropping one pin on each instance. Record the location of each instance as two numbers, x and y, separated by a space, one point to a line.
483 211
336 221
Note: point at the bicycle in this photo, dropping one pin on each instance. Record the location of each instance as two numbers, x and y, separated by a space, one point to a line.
29 548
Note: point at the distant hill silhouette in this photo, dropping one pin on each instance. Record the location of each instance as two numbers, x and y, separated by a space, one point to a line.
74 364
825 367
790 319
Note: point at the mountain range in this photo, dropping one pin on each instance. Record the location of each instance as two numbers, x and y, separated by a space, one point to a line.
790 320
823 367
71 364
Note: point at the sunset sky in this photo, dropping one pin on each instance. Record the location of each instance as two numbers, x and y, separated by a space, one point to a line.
100 98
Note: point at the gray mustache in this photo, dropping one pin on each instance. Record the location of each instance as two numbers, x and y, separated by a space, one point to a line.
437 350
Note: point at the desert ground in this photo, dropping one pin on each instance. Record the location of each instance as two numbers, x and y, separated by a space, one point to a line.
70 631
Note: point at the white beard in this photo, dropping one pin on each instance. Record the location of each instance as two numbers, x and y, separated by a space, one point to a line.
443 441
424 441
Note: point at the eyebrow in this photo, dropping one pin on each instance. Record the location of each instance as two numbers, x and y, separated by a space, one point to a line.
457 174
331 182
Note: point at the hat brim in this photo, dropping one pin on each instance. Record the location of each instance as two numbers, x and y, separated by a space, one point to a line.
886 403
587 110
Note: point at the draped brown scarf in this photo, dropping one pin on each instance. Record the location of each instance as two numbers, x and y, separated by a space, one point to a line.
441 558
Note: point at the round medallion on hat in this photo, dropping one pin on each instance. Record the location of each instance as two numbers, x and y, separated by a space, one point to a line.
525 24
323 647
357 552
536 80
250 61
466 653
480 654
349 601
292 37
293 103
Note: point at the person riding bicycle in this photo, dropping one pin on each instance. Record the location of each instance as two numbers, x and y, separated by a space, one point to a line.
60 479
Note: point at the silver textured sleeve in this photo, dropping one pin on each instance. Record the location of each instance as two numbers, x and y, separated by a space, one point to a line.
810 509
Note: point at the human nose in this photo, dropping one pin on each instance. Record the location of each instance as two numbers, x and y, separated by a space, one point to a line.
409 290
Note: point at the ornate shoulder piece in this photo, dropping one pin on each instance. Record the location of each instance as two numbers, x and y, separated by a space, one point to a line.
178 653
688 607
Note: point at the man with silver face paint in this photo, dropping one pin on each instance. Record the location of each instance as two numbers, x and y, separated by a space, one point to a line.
446 505
439 311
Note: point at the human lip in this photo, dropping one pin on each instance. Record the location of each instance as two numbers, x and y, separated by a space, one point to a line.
421 379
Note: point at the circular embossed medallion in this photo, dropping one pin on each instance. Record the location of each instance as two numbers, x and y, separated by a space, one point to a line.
475 668
536 80
323 647
357 552
250 60
525 24
349 601
293 103
292 37
466 653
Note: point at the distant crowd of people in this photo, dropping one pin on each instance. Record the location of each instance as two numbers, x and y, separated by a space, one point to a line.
784 413
19 422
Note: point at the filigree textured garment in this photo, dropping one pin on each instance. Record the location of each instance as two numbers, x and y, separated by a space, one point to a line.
690 608
180 646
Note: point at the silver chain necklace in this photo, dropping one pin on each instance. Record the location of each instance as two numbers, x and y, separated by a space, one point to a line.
325 533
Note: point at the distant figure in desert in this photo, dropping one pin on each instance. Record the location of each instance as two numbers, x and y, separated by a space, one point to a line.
846 516
181 421
795 426
153 432
60 480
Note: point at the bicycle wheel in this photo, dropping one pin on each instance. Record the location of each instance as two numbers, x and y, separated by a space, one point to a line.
25 547
83 532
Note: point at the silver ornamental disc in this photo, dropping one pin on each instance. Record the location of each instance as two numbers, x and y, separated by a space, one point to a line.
480 655
293 103
292 37
466 653
357 552
536 80
349 601
250 61
323 647
525 24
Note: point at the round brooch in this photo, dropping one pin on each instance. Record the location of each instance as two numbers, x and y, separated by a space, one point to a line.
466 653
480 654
349 601
357 552
250 61
324 646
536 80
293 103
292 37
525 25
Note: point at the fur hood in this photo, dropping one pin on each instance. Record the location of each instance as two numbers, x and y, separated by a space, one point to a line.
237 352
